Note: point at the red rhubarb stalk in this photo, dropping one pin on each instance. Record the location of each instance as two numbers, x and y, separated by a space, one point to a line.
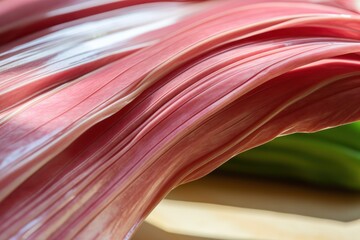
89 158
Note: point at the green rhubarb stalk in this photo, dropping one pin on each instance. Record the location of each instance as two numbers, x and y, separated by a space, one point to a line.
328 158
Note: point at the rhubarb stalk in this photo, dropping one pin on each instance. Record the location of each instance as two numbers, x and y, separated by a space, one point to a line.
90 156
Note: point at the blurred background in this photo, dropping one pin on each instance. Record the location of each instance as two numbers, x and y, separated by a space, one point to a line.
301 186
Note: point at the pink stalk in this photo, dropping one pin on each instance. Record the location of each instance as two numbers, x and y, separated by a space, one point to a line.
90 158
88 100
49 58
19 21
